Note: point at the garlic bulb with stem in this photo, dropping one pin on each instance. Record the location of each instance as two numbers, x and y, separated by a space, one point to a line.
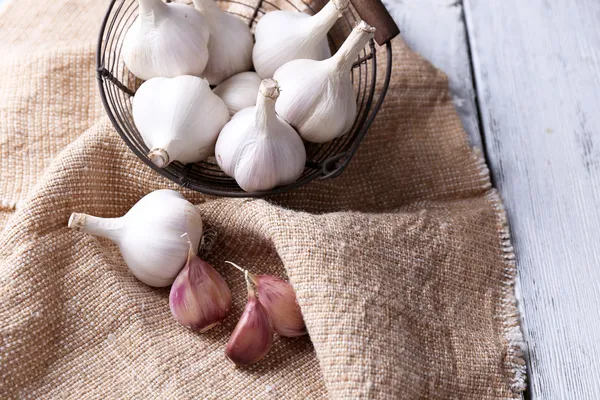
230 45
199 297
166 40
178 118
279 300
252 337
317 97
283 36
149 235
258 148
239 91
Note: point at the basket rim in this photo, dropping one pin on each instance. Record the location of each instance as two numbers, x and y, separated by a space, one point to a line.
331 167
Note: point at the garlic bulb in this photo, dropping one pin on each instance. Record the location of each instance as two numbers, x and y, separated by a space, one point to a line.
166 40
252 337
178 118
230 45
258 148
283 36
239 91
149 235
279 300
317 97
200 297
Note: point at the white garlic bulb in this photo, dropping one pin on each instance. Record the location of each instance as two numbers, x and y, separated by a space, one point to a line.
258 148
166 40
178 118
230 45
317 97
239 91
149 235
283 36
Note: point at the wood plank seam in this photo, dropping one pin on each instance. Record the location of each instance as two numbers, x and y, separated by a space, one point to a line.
517 346
435 29
509 317
473 82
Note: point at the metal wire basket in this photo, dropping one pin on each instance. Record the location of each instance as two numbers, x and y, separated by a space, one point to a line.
118 85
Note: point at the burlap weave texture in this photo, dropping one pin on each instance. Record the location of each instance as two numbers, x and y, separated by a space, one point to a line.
402 266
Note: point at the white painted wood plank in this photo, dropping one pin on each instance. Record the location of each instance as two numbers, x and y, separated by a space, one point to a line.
436 30
537 69
3 4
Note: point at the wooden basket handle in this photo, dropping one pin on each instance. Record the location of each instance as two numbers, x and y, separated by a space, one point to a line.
374 13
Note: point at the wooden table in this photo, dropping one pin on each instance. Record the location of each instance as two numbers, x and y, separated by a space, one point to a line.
525 77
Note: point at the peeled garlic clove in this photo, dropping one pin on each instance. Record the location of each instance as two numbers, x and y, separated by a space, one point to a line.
283 36
279 299
258 148
230 45
178 118
239 91
200 297
149 235
252 337
317 97
166 40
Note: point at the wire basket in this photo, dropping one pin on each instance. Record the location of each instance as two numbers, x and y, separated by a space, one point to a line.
118 85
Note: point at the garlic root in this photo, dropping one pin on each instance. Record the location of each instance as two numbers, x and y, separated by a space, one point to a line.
159 157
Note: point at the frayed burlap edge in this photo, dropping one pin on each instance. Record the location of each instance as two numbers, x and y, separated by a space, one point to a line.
509 311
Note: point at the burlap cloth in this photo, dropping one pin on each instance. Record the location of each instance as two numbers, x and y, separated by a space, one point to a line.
402 266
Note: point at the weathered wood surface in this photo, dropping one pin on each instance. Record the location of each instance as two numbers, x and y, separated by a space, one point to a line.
436 30
3 4
537 69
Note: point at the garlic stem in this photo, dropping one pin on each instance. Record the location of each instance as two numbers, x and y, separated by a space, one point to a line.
322 21
354 44
251 293
244 271
191 251
237 266
152 6
249 276
104 227
265 103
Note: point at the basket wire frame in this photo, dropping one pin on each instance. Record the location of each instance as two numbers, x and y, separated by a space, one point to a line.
117 87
